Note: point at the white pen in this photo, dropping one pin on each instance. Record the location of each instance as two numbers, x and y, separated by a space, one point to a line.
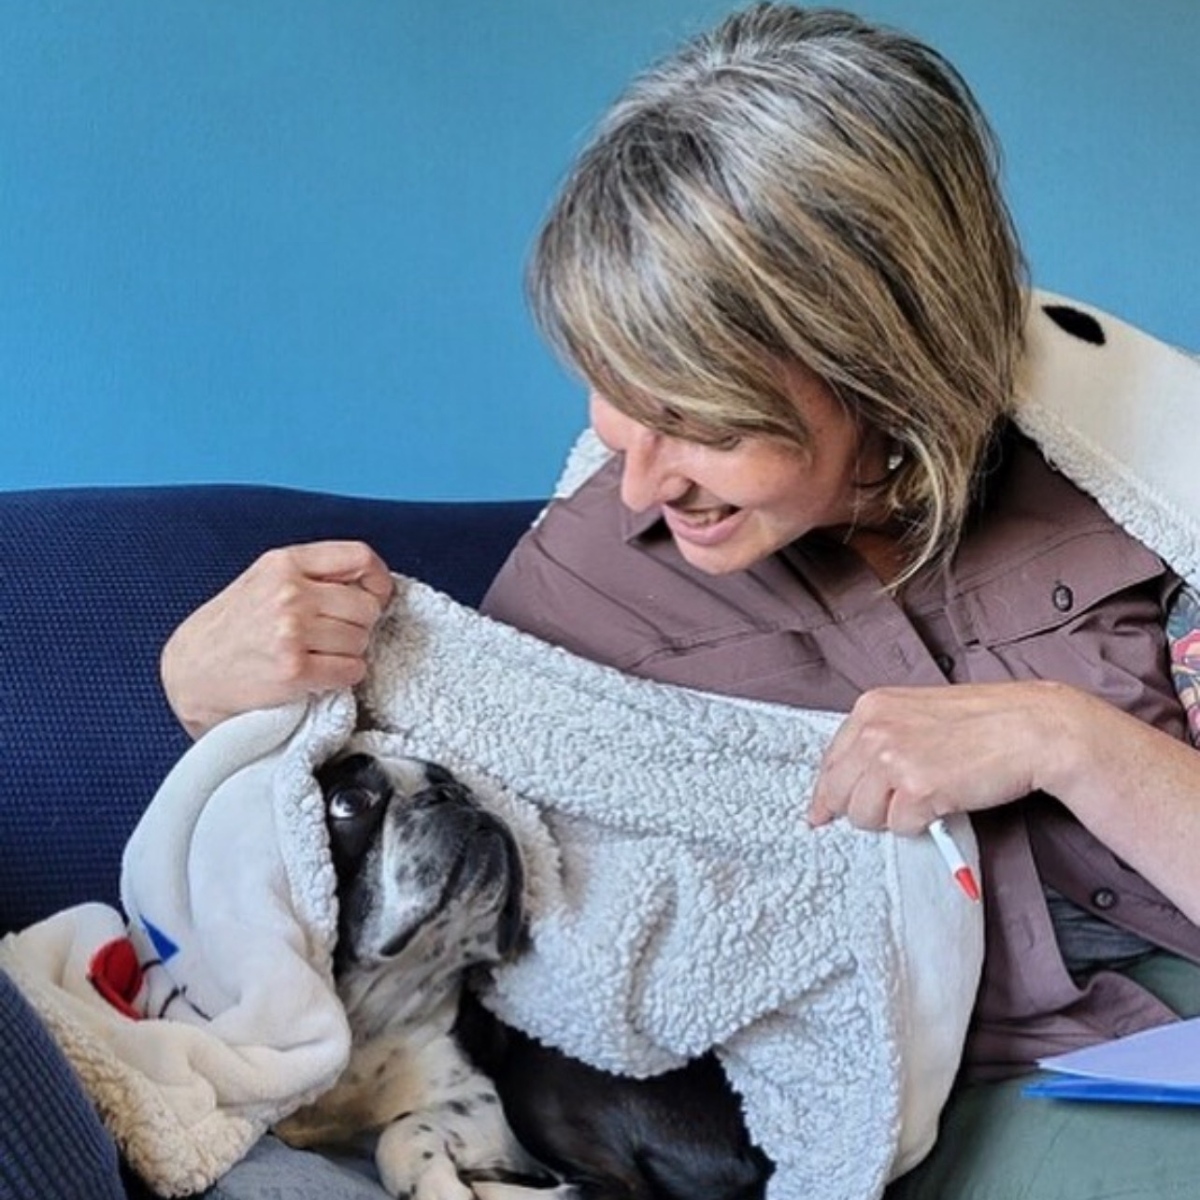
953 858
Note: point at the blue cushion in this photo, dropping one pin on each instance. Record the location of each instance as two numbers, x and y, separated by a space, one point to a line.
92 581
52 1143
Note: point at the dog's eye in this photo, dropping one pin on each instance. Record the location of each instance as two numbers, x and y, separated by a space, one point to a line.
348 803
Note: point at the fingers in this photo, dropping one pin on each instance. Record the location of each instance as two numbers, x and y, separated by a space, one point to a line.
316 606
344 581
343 562
840 771
904 756
862 776
297 621
331 619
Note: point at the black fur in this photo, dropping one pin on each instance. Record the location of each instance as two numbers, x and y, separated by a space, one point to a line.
675 1136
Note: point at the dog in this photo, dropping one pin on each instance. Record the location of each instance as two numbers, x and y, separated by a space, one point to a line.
429 887
430 893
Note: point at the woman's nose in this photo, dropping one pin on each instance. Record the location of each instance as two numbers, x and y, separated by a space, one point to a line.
649 473
647 477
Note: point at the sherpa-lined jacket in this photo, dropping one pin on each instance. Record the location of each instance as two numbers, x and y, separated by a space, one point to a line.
1043 586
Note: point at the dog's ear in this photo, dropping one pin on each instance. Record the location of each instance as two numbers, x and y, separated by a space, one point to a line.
511 930
350 769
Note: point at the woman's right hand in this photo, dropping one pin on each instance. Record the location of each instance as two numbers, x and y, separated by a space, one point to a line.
296 621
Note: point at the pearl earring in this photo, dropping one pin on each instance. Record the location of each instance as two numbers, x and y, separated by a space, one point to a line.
895 458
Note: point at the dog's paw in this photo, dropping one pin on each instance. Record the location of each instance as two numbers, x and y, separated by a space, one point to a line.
414 1164
439 1181
422 1158
494 1190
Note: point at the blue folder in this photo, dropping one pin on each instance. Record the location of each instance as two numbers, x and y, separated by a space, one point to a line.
1114 1091
1157 1066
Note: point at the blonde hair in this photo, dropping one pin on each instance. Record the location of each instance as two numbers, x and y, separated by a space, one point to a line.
796 185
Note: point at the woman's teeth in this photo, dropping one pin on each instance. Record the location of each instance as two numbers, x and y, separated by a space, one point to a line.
703 518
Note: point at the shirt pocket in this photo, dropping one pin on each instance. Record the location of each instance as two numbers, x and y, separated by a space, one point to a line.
777 666
1063 587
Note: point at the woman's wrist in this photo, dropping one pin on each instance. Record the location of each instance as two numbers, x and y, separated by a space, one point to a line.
195 717
1086 747
1056 729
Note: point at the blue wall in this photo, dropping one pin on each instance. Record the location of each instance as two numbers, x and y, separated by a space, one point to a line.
282 240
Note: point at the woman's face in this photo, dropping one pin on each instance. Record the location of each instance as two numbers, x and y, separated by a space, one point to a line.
730 507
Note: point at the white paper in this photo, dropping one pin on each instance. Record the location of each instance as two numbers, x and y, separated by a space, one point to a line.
1168 1055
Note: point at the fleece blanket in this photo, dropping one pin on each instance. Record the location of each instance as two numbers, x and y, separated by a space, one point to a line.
678 900
205 1012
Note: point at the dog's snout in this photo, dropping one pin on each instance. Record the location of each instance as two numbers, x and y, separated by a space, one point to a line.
444 792
456 811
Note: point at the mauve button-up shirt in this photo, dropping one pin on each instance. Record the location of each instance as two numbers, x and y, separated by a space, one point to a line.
1043 586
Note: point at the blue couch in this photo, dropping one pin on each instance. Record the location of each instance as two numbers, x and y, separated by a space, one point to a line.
91 582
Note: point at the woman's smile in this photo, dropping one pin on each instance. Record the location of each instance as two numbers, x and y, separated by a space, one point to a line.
703 526
730 506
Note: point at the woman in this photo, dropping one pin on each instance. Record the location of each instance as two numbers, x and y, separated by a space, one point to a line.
785 270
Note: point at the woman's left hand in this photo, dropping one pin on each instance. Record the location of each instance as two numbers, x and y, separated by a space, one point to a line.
907 755
904 756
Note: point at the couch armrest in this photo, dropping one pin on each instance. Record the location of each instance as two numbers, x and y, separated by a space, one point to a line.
92 580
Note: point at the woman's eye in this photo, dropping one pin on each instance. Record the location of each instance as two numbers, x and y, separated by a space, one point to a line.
671 422
350 802
711 439
726 441
677 424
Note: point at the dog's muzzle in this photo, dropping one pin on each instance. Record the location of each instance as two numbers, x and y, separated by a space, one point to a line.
415 852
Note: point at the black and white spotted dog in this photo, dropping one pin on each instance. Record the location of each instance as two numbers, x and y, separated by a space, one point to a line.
430 889
429 886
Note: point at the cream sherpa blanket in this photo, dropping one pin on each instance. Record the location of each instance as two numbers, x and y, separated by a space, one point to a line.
679 900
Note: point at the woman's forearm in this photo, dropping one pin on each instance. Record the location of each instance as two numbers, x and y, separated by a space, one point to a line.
1137 789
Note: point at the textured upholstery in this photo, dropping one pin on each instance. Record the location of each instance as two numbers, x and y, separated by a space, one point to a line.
52 1144
91 582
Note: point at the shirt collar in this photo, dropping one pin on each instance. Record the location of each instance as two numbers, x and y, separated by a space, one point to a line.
635 525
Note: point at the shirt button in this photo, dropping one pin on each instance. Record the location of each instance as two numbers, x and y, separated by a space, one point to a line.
945 664
1104 898
1063 598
